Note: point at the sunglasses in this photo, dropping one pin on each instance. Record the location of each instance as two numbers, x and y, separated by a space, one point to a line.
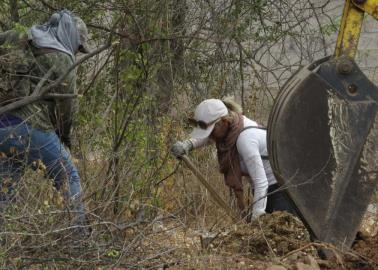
201 124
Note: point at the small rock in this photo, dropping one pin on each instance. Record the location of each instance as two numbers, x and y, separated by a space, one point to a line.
373 208
302 266
324 264
369 225
312 262
293 257
276 267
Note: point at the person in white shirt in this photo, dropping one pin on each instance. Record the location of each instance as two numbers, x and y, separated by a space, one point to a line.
242 151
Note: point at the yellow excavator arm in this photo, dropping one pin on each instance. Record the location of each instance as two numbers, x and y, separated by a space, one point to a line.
351 23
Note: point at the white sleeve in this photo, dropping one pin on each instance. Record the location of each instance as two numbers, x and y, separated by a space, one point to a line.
199 142
248 149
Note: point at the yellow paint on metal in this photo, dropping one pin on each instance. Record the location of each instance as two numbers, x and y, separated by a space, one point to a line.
370 7
350 29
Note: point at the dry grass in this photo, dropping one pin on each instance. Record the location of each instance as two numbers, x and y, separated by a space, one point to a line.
183 230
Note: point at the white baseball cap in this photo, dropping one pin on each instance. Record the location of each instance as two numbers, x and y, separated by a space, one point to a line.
208 112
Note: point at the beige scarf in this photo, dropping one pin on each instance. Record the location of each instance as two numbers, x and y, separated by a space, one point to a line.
228 158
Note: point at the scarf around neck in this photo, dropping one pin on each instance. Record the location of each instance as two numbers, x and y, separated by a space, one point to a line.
228 156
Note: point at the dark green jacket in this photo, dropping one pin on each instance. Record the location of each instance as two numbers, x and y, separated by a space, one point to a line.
52 114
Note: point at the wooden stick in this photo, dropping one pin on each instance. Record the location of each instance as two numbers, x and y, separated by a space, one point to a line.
212 191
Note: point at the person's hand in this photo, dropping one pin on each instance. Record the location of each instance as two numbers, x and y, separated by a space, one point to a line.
181 148
256 215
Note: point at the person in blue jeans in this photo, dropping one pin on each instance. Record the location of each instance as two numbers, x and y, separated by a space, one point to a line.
22 145
41 131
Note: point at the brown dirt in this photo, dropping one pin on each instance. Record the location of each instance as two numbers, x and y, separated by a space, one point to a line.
368 248
272 235
276 239
363 256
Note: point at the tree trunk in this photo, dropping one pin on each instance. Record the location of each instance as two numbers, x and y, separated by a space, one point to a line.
13 8
170 72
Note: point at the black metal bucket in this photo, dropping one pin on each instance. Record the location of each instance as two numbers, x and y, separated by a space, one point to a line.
322 142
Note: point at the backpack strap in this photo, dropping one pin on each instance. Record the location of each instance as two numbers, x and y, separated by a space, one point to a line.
263 157
258 127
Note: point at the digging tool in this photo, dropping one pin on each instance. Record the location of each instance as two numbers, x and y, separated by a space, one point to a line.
323 136
212 191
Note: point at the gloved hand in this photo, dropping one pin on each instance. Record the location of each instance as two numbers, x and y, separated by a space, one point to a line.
181 148
256 215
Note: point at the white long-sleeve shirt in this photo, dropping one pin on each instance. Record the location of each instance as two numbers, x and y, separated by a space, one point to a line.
251 145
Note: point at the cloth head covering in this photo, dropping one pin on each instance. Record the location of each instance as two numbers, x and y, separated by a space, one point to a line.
60 33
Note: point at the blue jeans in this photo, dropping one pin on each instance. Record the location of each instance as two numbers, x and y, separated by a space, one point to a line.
21 145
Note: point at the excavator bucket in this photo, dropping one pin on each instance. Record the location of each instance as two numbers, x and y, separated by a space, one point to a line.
323 146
